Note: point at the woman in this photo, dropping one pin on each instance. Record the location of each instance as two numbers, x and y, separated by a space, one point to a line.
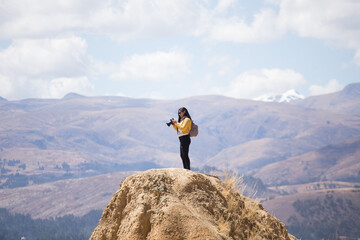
183 126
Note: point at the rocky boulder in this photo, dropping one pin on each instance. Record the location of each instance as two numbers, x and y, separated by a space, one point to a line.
181 204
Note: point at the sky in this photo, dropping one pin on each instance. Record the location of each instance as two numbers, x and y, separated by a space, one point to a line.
172 49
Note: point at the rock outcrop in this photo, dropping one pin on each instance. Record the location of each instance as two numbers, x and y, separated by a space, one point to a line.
181 204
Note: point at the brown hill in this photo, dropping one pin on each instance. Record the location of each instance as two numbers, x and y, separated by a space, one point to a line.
344 101
181 204
338 161
319 214
261 152
70 196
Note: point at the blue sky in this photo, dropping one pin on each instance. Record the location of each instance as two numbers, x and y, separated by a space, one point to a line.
170 49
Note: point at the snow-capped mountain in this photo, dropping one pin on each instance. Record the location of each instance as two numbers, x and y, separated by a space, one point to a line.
288 96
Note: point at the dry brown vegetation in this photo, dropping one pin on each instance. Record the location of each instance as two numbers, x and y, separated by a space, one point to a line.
234 226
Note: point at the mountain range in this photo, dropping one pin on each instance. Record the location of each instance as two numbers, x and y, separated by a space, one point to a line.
242 134
308 141
344 101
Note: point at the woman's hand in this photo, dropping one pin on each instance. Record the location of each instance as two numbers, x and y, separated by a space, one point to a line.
174 121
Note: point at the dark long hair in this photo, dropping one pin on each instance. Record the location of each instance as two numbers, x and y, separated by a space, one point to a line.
185 115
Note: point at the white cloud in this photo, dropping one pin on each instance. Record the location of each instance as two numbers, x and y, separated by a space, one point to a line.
41 18
222 66
6 86
44 47
162 18
332 86
21 88
274 2
121 19
153 66
255 83
224 5
60 86
333 21
357 58
44 68
45 57
329 20
263 28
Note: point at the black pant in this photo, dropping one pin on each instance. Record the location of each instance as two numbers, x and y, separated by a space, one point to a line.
184 150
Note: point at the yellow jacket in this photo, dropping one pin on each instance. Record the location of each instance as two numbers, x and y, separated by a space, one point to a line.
184 127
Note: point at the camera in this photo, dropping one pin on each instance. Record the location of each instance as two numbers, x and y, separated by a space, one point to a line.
170 123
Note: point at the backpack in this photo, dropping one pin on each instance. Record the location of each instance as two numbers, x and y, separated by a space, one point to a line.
194 129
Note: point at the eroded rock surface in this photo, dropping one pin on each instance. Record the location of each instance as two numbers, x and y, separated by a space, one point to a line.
181 204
